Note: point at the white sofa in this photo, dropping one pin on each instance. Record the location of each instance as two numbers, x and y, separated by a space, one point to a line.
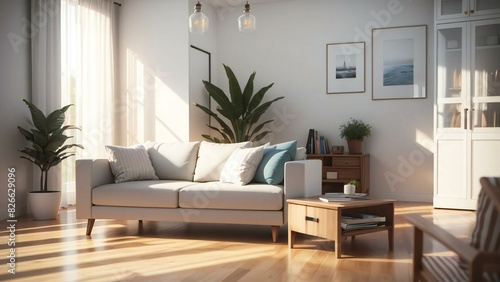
191 198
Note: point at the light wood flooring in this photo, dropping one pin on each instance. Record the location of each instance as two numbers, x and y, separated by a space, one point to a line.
58 250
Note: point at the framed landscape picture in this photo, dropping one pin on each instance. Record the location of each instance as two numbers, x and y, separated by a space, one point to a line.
399 66
345 67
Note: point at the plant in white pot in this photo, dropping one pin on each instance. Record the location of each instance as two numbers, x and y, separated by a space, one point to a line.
350 187
355 131
46 150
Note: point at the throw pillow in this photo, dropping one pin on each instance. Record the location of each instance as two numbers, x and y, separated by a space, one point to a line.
240 167
212 157
130 163
173 160
290 147
301 154
271 169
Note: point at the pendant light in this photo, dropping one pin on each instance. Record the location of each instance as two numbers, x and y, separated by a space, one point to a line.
198 22
246 22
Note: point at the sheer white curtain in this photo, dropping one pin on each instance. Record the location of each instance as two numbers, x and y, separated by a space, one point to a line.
88 79
46 69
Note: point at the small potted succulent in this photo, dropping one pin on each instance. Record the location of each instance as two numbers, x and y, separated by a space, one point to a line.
355 131
350 187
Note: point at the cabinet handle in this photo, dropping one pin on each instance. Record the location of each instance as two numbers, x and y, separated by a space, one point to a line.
471 120
466 12
472 11
310 218
466 111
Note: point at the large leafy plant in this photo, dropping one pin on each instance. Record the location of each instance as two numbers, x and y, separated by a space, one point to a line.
242 110
47 141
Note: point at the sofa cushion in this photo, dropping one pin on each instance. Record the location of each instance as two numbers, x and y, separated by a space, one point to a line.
148 194
240 167
130 163
173 160
212 157
219 195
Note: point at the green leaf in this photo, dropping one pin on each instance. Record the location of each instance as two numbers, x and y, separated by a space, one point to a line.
38 118
56 142
248 92
56 119
220 98
235 91
39 138
26 133
257 98
259 127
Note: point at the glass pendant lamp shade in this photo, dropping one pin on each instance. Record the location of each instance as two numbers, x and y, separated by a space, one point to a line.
198 22
246 22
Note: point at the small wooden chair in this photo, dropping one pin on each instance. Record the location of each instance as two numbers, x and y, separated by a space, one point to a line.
477 261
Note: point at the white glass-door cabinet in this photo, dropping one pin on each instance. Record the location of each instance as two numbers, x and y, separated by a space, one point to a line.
467 116
466 9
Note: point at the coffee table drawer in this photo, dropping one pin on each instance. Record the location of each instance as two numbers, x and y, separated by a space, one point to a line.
313 221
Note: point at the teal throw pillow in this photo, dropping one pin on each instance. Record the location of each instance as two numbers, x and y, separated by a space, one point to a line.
271 169
290 147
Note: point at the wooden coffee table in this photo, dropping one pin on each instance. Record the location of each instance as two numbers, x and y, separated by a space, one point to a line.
314 217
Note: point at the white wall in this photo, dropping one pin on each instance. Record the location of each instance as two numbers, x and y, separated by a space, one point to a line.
289 49
154 69
198 71
15 85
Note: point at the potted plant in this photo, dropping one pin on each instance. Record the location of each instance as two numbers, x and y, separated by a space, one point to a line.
355 131
350 187
242 110
46 150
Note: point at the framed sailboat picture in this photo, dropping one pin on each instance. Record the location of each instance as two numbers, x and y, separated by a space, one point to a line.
345 67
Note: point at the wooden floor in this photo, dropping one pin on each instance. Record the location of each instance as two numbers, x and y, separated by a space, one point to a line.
58 250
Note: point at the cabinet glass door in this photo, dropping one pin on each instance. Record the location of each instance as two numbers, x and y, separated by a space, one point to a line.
485 66
484 7
451 8
451 86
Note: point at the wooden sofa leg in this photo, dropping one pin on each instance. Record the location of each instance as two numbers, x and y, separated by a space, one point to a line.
90 225
275 230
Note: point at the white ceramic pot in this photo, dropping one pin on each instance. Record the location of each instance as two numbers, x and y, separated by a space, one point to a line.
349 189
44 205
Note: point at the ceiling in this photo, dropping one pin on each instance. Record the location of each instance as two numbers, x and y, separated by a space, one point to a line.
237 3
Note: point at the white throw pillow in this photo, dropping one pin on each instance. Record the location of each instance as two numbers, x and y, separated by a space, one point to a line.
301 154
212 157
241 166
130 163
173 160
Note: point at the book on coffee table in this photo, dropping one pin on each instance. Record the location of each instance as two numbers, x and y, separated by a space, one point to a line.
361 218
341 197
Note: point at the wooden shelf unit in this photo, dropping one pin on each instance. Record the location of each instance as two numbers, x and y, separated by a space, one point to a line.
347 167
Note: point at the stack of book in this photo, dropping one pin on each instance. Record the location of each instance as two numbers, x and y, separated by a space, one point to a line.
359 221
317 144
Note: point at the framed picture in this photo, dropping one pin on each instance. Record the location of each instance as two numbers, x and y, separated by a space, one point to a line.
345 67
399 66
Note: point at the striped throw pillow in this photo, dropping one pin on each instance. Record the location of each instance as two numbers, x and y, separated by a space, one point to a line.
130 163
240 167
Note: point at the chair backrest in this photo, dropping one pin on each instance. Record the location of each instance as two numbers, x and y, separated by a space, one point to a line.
486 233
